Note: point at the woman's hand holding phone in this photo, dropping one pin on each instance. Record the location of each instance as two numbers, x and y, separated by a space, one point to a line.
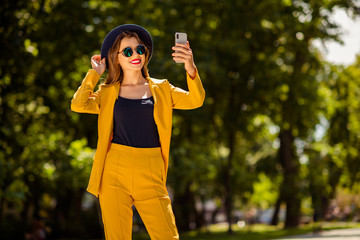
183 54
98 64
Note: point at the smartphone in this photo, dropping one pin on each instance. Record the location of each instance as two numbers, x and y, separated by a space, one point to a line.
180 37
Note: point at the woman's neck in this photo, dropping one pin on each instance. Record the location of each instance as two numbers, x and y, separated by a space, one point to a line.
133 78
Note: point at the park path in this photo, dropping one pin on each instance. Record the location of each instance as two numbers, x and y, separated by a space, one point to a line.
338 234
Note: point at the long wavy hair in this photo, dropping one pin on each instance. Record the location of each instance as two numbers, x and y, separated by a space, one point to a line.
115 72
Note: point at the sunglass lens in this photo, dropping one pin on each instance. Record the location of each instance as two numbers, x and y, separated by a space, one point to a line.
128 52
140 49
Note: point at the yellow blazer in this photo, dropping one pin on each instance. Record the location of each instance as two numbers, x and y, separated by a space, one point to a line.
166 98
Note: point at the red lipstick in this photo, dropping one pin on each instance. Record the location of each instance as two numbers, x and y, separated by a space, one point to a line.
135 61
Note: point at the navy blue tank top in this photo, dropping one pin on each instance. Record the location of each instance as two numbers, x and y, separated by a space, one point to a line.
134 123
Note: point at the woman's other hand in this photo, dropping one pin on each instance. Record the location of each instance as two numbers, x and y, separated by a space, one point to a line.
184 55
98 64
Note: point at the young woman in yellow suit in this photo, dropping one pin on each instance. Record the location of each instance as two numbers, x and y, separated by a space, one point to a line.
134 130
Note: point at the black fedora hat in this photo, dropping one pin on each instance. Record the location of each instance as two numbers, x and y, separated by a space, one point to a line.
110 38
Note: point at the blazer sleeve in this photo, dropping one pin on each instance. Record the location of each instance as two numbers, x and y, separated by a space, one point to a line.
191 99
85 100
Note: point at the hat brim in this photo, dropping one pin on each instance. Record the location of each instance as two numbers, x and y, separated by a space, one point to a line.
110 38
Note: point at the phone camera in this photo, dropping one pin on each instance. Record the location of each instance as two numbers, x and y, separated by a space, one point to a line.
177 36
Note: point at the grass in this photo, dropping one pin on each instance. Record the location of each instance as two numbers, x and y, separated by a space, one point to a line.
254 232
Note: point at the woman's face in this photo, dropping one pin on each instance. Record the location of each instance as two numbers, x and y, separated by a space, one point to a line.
136 61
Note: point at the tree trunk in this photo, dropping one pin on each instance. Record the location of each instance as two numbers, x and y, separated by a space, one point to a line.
183 206
275 218
199 217
228 187
2 207
232 116
62 211
291 190
213 215
78 197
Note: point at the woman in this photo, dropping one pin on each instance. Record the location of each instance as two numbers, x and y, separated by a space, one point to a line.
134 129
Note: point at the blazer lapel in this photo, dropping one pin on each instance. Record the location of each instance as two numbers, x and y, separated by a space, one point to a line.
108 99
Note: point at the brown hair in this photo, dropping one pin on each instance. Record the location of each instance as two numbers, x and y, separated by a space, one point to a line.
115 72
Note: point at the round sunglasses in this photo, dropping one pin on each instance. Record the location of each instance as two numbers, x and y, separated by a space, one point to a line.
128 51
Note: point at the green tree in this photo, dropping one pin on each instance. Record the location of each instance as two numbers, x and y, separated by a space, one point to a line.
260 73
334 160
41 56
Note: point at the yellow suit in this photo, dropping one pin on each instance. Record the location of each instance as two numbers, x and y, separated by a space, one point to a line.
166 98
123 176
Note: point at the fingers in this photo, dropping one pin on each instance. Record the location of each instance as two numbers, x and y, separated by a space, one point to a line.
183 53
96 57
182 47
94 63
179 59
96 60
98 64
182 58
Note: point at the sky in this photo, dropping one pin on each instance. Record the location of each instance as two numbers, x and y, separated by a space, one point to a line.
340 54
343 54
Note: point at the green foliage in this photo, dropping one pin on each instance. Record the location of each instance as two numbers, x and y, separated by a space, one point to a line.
262 78
257 232
265 192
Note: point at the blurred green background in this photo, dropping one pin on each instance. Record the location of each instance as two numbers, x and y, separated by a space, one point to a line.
276 142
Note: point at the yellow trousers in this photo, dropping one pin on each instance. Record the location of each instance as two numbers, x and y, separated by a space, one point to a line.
134 176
